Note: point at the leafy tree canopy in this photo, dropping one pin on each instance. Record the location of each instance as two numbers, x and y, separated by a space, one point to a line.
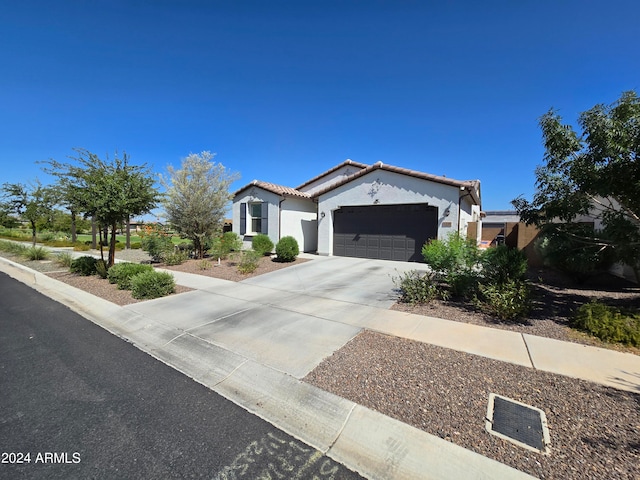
197 198
108 190
596 173
30 203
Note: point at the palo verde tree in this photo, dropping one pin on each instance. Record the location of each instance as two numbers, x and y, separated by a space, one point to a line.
593 173
30 203
197 197
107 190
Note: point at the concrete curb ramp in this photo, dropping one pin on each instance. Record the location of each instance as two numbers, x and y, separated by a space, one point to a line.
373 444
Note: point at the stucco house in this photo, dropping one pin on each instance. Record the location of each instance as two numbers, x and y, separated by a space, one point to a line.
357 210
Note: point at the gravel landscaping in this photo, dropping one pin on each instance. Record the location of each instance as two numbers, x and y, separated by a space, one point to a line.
594 430
555 299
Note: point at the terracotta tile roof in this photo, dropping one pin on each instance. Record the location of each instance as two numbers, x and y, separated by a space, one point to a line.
472 185
347 162
274 188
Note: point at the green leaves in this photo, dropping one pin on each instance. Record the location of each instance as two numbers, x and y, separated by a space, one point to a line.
595 173
197 197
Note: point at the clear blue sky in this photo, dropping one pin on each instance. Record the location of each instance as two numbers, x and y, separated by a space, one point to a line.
283 90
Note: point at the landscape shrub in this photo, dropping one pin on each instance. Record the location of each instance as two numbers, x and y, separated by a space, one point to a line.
223 245
453 254
152 284
12 247
156 242
136 245
84 266
607 323
503 264
510 300
102 269
175 257
122 273
578 259
64 259
416 287
36 253
46 237
82 247
249 261
287 249
59 243
455 262
262 244
185 247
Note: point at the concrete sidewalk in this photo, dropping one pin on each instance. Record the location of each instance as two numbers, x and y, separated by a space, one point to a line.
253 344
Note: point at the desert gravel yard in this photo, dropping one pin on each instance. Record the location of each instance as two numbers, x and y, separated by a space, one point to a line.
594 430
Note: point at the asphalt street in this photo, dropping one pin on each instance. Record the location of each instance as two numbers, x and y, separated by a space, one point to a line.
78 402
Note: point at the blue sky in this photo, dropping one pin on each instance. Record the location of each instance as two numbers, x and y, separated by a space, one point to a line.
283 90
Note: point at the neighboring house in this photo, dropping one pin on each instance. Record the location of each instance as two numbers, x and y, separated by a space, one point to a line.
357 210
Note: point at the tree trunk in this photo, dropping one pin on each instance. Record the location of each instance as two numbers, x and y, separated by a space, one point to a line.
74 235
128 227
101 242
112 246
94 229
33 233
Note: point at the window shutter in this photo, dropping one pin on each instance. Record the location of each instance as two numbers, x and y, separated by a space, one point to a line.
243 218
265 218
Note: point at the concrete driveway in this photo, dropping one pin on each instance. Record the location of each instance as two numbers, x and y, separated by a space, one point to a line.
355 280
290 319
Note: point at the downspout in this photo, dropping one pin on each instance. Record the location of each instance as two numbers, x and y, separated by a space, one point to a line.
468 194
280 217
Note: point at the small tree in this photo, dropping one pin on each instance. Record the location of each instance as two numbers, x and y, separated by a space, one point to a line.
595 173
33 204
109 191
197 198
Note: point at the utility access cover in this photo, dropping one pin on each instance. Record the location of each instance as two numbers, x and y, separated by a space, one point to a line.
518 423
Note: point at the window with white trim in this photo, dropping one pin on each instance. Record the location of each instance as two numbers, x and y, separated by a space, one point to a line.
255 217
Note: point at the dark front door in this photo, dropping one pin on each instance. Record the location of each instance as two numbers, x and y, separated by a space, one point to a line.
387 232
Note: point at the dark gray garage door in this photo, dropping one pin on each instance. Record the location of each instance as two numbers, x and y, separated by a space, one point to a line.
387 232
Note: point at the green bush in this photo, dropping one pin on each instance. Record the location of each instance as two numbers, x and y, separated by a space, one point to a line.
222 246
453 254
455 262
36 253
152 284
157 246
287 249
507 301
64 259
84 266
59 243
463 283
102 270
12 247
608 324
136 245
122 273
82 247
175 258
565 252
503 264
249 261
416 287
262 244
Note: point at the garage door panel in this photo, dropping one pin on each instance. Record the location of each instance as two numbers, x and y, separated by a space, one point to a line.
389 232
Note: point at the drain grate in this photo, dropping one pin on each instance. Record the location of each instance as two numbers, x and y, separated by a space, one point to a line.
518 423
